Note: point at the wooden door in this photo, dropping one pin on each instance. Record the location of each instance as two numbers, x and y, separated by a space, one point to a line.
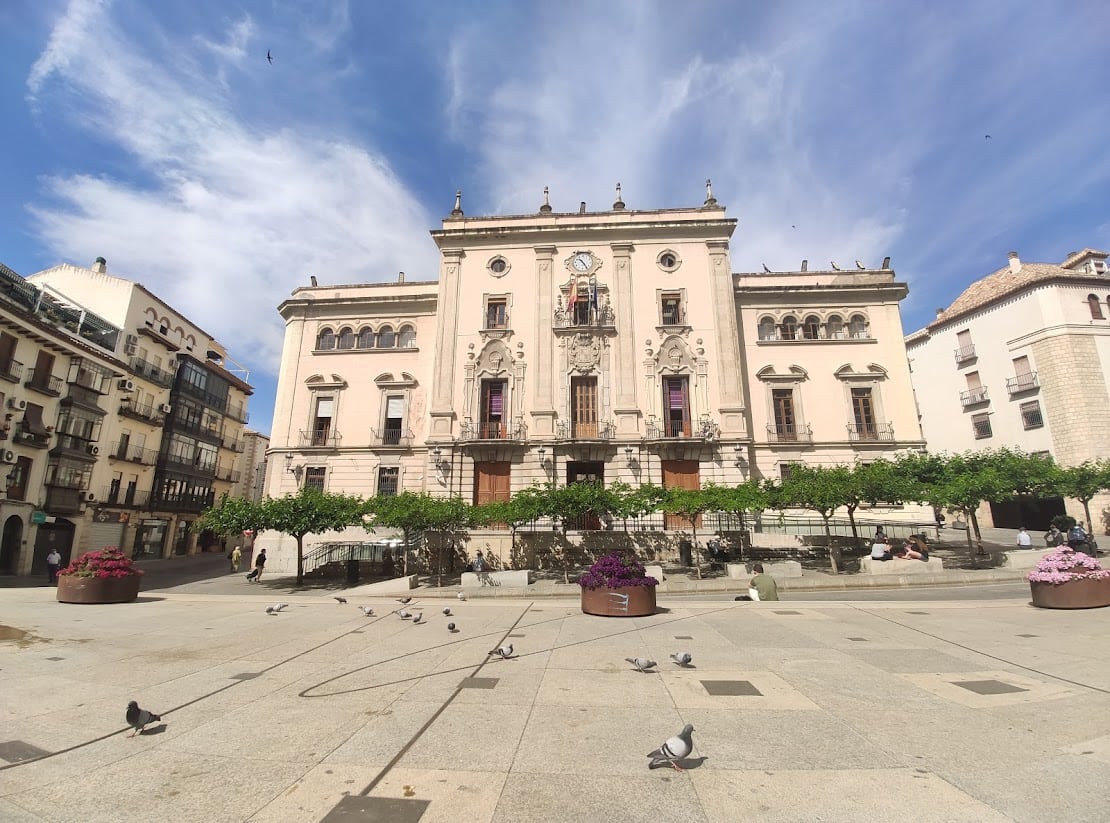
680 474
583 399
492 485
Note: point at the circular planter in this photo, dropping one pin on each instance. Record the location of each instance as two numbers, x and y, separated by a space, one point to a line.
74 589
1075 594
627 601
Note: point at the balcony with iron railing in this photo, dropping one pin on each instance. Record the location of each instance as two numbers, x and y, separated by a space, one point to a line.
965 353
238 412
1022 382
155 374
570 430
148 412
973 397
134 454
320 439
44 382
789 433
35 440
113 495
231 444
198 462
12 371
492 430
397 436
602 317
77 445
227 473
184 503
870 432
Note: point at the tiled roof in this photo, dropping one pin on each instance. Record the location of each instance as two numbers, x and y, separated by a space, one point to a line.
1004 283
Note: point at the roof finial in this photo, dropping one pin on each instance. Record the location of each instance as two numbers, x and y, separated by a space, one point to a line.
582 207
618 204
546 207
457 211
710 200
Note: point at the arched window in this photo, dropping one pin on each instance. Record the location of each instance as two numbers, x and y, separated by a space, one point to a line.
789 327
834 327
386 338
766 329
366 338
346 338
325 339
857 327
811 327
407 338
1095 306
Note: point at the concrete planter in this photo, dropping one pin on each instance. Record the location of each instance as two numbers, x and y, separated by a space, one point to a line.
627 601
74 589
1075 594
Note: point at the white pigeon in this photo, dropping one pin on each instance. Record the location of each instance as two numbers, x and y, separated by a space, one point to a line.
682 658
418 618
366 610
676 748
642 664
404 615
504 652
461 595
446 612
277 607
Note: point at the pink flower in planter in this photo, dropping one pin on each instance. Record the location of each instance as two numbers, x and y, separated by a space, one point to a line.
1064 565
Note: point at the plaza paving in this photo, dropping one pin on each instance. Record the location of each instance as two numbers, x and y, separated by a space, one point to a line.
932 711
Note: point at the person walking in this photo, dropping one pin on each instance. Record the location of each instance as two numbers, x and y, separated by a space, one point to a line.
53 563
1024 539
236 557
259 565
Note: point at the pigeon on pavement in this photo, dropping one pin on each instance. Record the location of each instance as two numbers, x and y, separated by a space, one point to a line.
461 595
340 599
419 617
451 627
404 601
404 615
138 718
642 664
277 607
676 748
504 652
446 612
366 610
682 658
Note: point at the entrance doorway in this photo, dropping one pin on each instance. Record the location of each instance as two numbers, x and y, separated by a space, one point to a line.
680 474
10 545
585 471
57 535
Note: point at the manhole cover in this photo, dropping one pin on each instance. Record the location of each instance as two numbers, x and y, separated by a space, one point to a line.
731 688
988 686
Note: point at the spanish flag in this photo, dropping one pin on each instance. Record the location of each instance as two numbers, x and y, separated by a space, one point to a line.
572 295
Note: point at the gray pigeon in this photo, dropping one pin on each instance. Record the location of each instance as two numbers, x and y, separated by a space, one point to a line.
419 617
366 610
277 607
461 595
642 664
676 748
446 612
404 615
340 599
451 627
404 601
138 718
504 652
682 658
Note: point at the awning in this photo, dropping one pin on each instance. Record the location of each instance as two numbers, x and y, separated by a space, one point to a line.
32 420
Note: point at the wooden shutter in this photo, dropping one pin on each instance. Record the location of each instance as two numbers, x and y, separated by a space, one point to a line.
584 406
680 474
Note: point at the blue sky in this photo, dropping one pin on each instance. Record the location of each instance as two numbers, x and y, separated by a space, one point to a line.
158 136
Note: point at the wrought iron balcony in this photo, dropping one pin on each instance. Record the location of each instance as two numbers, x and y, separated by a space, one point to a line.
44 382
148 412
965 353
870 432
238 412
320 439
11 371
155 374
134 454
1022 382
391 436
567 430
603 317
789 433
112 495
973 397
492 430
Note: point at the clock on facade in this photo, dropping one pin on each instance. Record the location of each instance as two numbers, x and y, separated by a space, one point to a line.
582 261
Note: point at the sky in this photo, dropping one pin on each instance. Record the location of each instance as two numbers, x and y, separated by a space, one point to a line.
158 135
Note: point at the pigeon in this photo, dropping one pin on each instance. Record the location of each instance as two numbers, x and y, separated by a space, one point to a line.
641 663
138 718
675 749
682 658
269 57
404 601
461 595
834 266
340 599
987 137
451 627
765 269
446 612
404 615
277 607
366 610
418 618
860 266
504 652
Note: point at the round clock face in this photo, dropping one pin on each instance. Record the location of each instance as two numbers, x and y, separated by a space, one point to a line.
583 261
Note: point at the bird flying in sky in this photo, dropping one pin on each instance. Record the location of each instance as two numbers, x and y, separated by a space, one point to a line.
269 57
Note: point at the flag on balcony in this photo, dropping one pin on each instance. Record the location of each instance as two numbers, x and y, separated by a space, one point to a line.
593 292
572 294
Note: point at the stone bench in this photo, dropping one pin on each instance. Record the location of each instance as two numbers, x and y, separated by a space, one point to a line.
654 571
514 577
1025 558
898 566
779 571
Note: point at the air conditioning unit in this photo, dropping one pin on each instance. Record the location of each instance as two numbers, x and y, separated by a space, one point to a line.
7 456
93 449
130 344
165 408
127 385
90 497
17 403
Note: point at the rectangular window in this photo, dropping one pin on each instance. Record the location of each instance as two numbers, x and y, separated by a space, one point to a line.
7 352
497 313
864 412
491 414
965 349
583 400
394 420
321 425
44 370
784 470
388 479
786 425
670 307
676 407
314 477
981 426
1031 415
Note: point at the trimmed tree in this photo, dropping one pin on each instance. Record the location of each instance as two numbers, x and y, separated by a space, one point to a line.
822 489
689 505
1083 482
309 511
410 512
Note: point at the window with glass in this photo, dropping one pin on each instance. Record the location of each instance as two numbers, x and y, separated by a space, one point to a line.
782 403
811 327
388 480
981 426
325 339
834 327
676 406
314 477
670 309
857 327
346 338
387 339
788 329
863 411
322 421
1095 306
1031 415
497 313
406 339
583 406
394 419
767 329
366 338
491 411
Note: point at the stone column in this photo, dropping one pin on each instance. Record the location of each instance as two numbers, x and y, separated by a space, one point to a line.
543 404
442 412
626 412
727 342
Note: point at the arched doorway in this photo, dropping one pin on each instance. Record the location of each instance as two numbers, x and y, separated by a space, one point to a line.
10 544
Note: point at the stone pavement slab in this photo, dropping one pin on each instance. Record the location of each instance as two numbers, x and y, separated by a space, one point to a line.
945 710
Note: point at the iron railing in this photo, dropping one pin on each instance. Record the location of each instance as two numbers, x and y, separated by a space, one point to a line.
789 433
973 397
870 432
1022 382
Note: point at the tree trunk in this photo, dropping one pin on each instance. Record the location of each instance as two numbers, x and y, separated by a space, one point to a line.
405 553
833 550
697 551
1087 514
852 520
300 559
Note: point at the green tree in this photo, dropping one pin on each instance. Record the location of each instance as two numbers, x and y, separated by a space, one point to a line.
822 489
309 511
232 515
574 502
1083 482
410 512
689 505
967 481
881 481
449 518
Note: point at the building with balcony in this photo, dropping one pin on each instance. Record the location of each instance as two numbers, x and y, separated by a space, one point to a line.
1021 359
561 347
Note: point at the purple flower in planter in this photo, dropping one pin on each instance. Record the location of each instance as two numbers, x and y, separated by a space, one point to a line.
1064 565
615 571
